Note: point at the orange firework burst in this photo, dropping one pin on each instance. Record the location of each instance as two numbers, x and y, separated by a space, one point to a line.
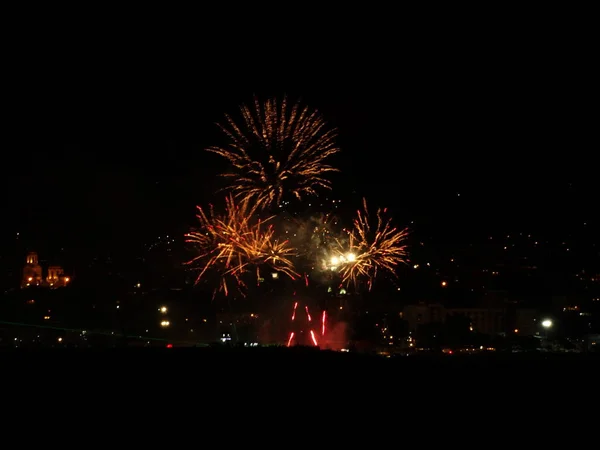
277 150
235 241
371 246
262 248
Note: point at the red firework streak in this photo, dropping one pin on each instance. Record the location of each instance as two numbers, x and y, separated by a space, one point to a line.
313 335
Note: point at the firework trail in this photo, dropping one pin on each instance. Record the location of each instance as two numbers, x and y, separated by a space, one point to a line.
372 245
313 336
277 149
234 242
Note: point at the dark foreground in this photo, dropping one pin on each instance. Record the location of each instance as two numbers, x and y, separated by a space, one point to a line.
293 386
281 365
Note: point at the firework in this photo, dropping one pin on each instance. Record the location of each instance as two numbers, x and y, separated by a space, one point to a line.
234 242
276 150
309 323
372 245
263 248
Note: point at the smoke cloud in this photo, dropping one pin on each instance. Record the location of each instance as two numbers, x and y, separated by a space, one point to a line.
336 338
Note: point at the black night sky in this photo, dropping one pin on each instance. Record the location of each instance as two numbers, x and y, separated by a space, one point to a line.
475 126
461 138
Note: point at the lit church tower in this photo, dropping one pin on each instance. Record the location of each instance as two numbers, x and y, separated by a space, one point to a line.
32 272
55 276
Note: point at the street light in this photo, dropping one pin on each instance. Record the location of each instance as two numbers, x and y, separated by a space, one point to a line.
163 309
547 324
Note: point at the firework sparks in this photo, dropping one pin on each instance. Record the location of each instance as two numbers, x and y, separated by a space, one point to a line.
311 331
372 246
277 150
262 248
233 242
313 337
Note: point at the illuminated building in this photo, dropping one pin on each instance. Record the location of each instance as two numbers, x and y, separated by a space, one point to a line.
32 274
483 320
32 271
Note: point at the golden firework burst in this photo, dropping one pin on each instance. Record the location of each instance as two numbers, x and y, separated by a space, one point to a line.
277 150
371 246
233 242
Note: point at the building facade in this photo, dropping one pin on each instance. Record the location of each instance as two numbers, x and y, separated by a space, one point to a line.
33 274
